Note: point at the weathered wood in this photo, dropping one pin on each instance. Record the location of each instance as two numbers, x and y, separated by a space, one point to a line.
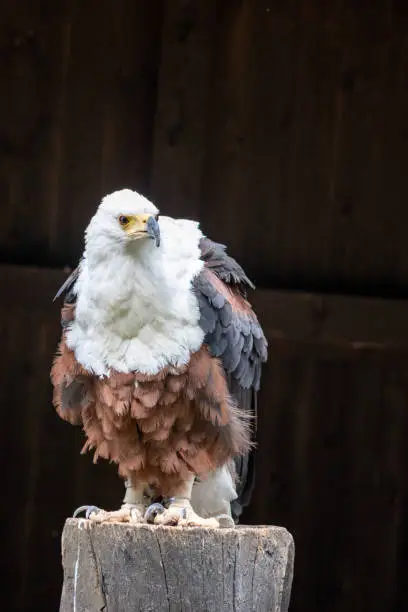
121 568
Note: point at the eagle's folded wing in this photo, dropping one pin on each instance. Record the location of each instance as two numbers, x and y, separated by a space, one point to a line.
234 335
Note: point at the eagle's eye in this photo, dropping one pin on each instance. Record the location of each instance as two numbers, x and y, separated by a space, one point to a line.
123 220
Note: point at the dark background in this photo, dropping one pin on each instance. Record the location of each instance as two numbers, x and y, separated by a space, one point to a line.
282 126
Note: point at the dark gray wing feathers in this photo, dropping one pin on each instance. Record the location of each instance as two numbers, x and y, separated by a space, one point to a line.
67 288
227 269
237 339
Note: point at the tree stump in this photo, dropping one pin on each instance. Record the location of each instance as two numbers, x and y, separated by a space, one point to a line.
125 568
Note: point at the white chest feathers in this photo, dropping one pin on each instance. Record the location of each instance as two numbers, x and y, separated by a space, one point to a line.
135 307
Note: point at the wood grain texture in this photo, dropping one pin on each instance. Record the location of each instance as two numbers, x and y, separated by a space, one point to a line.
77 119
303 175
183 98
152 569
331 457
331 466
49 477
331 444
332 320
281 127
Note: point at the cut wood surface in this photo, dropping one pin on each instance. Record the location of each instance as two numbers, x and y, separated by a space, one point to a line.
122 568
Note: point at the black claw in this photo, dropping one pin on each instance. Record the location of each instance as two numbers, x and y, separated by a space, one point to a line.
87 509
152 511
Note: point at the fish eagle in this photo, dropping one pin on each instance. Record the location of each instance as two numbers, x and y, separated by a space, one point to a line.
160 363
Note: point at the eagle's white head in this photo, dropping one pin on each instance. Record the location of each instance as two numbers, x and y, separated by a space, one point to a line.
122 218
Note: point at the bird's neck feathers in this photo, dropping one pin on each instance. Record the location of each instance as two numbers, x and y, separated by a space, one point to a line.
139 265
135 307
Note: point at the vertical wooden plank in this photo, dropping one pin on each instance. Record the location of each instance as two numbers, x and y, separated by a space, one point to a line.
78 117
30 71
110 105
370 95
305 142
48 478
331 468
229 214
10 562
269 151
183 97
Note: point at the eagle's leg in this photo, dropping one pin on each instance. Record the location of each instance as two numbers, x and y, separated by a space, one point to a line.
135 499
131 511
180 511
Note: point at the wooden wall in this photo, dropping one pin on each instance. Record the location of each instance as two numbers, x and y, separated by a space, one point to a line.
81 82
282 127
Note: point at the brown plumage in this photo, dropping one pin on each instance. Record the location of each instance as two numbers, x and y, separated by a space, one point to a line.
162 428
159 428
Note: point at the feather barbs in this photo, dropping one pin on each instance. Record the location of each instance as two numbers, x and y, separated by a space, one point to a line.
174 418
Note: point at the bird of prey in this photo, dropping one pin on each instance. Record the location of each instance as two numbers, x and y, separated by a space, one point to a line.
160 363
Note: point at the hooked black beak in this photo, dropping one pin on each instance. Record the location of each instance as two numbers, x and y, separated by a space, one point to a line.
153 229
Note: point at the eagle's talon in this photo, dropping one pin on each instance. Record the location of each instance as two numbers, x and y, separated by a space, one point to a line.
88 511
92 511
183 516
152 511
128 513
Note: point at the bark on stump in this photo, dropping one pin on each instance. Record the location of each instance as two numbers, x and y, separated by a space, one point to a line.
122 568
